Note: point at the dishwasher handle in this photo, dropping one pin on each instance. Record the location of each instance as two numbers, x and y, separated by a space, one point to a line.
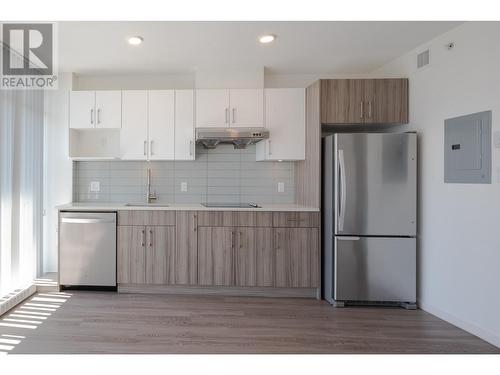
73 220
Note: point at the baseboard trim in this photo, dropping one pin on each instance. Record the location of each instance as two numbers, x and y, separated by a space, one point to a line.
224 291
16 297
460 323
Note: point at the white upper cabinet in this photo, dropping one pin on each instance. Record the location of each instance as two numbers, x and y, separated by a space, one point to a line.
247 108
212 108
285 120
95 109
229 108
184 125
161 122
82 109
134 143
108 107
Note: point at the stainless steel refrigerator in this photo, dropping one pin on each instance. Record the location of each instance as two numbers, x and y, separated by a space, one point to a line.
369 218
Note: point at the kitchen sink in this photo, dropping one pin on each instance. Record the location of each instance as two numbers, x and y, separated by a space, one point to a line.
147 205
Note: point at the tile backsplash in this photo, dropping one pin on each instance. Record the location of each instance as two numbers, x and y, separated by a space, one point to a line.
221 175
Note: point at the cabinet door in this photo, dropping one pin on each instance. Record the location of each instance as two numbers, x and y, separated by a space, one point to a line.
254 257
285 120
247 108
161 116
215 256
184 125
297 257
82 109
386 101
212 108
160 247
134 133
342 101
108 105
131 255
186 247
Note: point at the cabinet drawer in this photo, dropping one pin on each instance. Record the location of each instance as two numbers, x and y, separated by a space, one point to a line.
296 219
234 219
150 217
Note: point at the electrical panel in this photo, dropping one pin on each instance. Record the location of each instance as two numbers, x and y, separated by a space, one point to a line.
467 149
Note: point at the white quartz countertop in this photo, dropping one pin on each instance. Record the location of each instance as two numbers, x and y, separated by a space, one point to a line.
80 206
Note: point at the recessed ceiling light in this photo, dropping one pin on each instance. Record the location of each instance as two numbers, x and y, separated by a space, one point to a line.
264 39
135 40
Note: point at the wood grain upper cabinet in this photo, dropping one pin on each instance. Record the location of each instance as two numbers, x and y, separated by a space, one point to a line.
297 257
364 101
386 101
216 256
246 108
342 101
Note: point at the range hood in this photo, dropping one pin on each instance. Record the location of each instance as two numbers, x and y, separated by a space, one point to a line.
239 137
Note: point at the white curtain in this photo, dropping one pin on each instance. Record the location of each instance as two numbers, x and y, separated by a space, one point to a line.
21 173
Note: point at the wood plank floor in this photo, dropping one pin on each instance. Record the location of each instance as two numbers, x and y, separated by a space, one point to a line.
90 322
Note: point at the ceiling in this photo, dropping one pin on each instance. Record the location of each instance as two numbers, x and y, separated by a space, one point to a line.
185 47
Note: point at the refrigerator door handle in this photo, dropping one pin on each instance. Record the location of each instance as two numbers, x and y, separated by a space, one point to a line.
342 190
348 238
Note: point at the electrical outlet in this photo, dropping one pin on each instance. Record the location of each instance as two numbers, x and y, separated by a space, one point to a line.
95 186
184 186
281 187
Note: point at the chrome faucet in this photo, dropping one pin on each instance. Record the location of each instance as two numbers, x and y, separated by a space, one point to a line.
150 197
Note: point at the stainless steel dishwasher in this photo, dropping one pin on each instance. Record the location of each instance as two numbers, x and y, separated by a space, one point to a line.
87 250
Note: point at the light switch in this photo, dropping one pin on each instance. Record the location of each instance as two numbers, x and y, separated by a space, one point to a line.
184 186
281 187
95 186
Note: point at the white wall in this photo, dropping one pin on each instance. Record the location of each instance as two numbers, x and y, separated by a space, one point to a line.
58 168
459 254
133 82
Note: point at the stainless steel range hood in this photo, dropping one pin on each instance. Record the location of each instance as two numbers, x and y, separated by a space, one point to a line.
239 137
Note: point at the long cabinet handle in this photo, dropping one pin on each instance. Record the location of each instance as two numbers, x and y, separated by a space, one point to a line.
145 147
150 238
370 109
99 116
151 147
234 115
190 148
232 240
343 191
143 241
69 220
195 223
361 109
92 116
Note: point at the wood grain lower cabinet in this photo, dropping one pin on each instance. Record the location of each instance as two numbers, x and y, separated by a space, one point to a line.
131 254
215 256
297 257
160 252
186 248
146 254
254 257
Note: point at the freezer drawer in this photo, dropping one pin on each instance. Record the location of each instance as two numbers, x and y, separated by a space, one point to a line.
375 269
87 249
